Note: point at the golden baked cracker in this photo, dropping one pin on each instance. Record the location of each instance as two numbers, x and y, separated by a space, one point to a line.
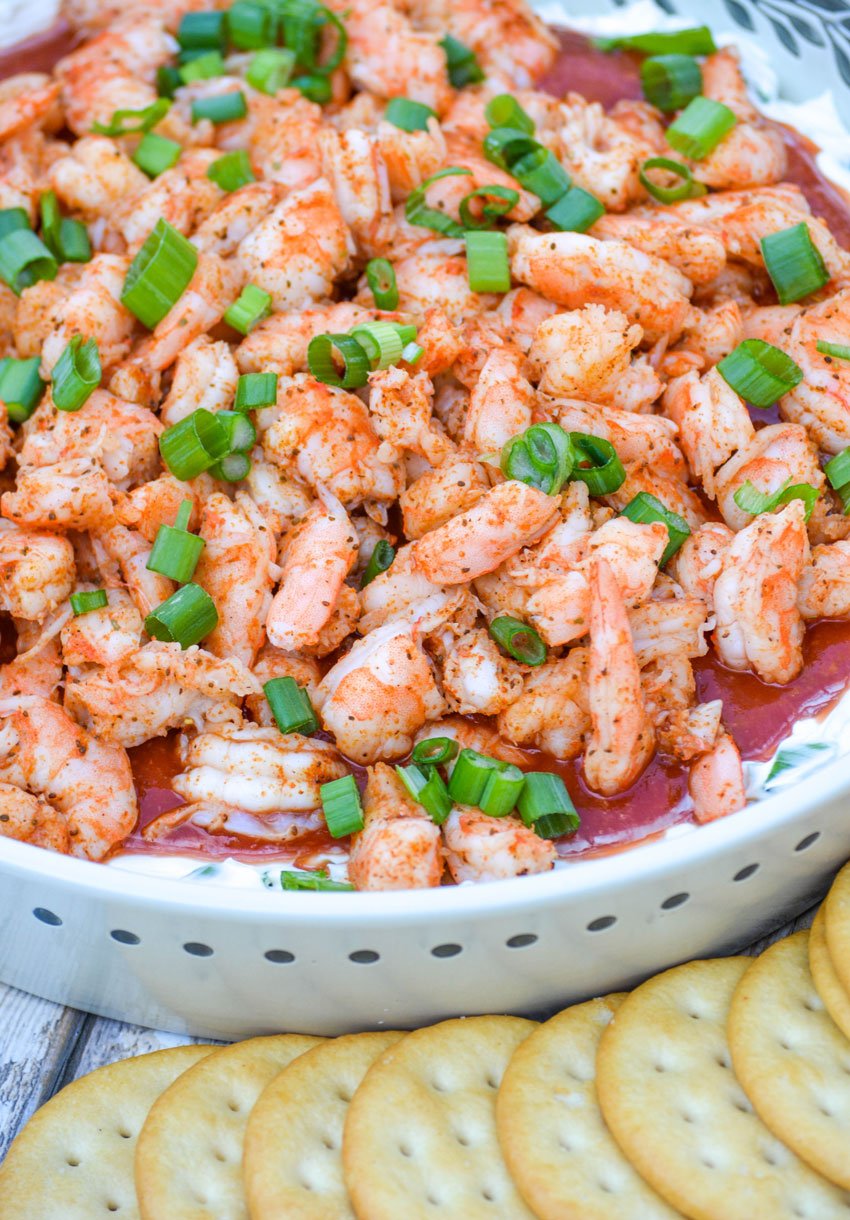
420 1137
553 1138
836 909
835 998
74 1158
670 1098
792 1059
189 1156
293 1143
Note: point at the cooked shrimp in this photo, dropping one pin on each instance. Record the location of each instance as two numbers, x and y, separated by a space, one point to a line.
714 332
30 819
601 155
36 572
67 495
774 456
755 596
502 402
125 552
552 713
509 39
436 275
477 678
183 196
713 423
574 270
93 309
697 252
104 636
283 139
698 562
387 56
95 176
279 343
636 437
438 495
398 590
716 782
234 217
26 100
205 375
621 740
399 847
272 663
88 782
213 287
480 848
400 407
825 583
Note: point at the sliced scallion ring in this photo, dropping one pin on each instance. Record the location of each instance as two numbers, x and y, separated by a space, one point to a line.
750 500
837 469
646 508
794 263
316 87
12 219
541 173
687 188
670 81
168 80
76 374
603 472
127 122
575 211
185 618
408 115
700 127
155 154
220 107
200 30
418 212
506 145
233 468
251 26
321 361
25 259
176 551
271 69
545 804
231 171
412 352
193 444
255 390
380 341
470 774
290 705
21 386
159 274
759 372
542 456
380 276
250 307
207 66
87 600
505 111
518 640
434 751
488 266
462 63
241 433
427 787
498 201
501 791
379 561
341 806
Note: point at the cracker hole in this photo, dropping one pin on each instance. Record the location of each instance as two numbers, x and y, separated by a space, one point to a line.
488 1195
329 1143
492 1083
565 1144
233 1106
112 1206
125 938
741 1105
446 950
72 1161
434 1201
438 1087
202 1199
344 1096
604 1186
521 941
744 874
279 956
48 917
462 1139
708 1162
675 900
723 1060
688 1117
659 1067
308 1185
602 924
195 949
785 1044
124 1133
405 1150
811 1005
364 957
219 1155
808 842
826 1111
768 1156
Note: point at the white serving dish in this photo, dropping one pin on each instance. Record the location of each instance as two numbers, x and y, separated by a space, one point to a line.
228 963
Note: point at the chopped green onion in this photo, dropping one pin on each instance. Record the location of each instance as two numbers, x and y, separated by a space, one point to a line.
750 500
168 80
759 372
840 351
837 469
545 804
202 30
794 263
542 456
255 390
792 757
320 360
231 171
159 274
241 433
316 88
575 211
220 108
290 705
488 268
428 789
470 775
646 508
408 115
127 122
380 341
193 444
670 81
76 374
51 219
251 26
88 599
412 352
207 66
417 211
501 791
302 25
341 806
698 40
21 386
462 63
381 558
505 111
687 188
518 640
541 173
604 472
176 551
24 260
700 127
233 468
12 219
67 239
155 154
504 146
271 69
250 307
184 618
434 751
304 879
406 330
380 276
505 198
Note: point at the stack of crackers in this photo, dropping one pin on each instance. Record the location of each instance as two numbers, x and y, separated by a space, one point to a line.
719 1090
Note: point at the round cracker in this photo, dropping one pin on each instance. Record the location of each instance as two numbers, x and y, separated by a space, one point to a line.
670 1098
420 1136
189 1155
836 908
293 1143
74 1158
827 982
792 1059
554 1140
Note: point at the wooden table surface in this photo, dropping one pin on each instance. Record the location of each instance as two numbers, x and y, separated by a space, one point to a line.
44 1046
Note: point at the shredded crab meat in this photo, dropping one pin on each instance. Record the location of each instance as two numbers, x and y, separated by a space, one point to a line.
358 529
